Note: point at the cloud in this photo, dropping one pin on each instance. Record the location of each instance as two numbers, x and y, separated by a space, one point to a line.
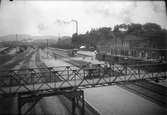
51 18
42 27
58 21
122 12
158 6
128 13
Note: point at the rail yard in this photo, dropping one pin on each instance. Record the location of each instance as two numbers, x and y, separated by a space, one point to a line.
53 57
83 58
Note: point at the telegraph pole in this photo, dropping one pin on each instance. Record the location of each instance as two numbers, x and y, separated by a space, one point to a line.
16 43
47 47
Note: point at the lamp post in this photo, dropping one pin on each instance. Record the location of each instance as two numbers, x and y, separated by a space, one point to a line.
76 22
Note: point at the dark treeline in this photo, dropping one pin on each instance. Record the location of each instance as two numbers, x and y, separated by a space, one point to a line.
150 31
63 43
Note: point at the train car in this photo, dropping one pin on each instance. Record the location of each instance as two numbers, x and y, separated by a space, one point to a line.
72 52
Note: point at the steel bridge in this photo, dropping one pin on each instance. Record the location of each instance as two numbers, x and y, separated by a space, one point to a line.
30 85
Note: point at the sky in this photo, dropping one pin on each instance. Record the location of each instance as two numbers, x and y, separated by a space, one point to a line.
54 17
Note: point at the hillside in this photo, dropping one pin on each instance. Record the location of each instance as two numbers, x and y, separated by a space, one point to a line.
21 37
54 41
148 35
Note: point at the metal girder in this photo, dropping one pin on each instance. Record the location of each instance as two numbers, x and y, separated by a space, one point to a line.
70 77
21 101
34 98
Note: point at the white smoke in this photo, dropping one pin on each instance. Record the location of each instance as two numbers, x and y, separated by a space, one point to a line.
58 21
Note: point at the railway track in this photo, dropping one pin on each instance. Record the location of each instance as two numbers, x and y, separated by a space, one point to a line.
40 64
16 59
159 89
65 100
153 92
27 60
88 109
78 64
10 103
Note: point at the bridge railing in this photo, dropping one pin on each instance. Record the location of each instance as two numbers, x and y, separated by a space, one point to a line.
36 79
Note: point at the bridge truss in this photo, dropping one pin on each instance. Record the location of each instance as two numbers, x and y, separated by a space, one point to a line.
35 83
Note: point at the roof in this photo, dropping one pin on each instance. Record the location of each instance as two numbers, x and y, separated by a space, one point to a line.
82 47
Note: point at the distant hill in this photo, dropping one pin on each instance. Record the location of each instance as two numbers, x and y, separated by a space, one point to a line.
51 39
12 40
149 35
13 37
64 43
24 37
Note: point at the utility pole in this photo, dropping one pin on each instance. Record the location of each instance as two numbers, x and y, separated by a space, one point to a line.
47 48
16 43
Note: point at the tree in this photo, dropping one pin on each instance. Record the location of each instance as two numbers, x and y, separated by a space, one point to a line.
134 28
151 27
